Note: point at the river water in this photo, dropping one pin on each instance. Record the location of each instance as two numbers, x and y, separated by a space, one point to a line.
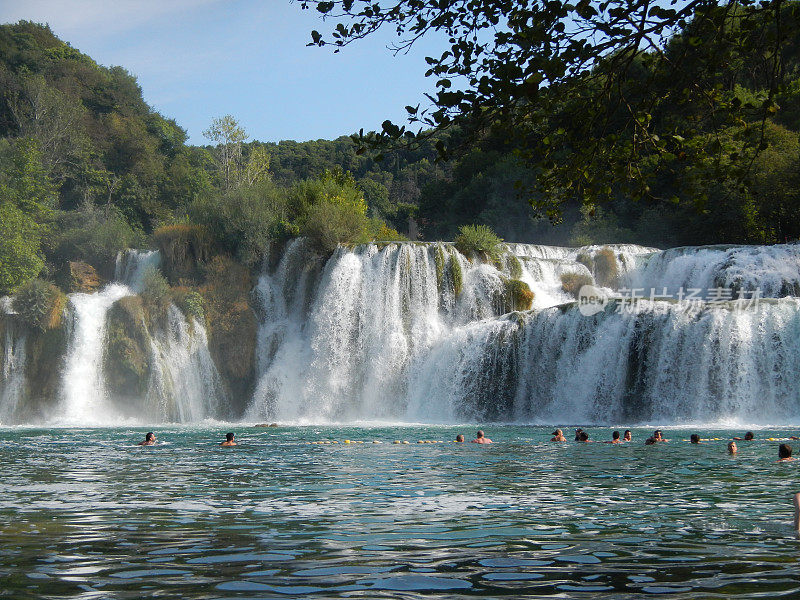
85 513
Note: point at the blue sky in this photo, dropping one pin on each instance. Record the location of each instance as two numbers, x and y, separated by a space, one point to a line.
200 59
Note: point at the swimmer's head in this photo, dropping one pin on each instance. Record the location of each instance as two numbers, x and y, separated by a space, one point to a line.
626 435
784 451
480 434
749 436
583 437
615 435
460 437
558 432
732 448
229 436
150 436
694 438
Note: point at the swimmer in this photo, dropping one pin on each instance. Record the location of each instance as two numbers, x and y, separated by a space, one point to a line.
481 439
650 441
658 437
583 437
748 437
694 438
615 438
626 437
229 441
578 432
784 453
558 436
460 437
732 448
149 439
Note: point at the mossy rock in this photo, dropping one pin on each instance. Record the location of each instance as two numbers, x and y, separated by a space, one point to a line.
606 270
44 365
572 283
519 295
41 305
232 324
127 360
185 249
76 276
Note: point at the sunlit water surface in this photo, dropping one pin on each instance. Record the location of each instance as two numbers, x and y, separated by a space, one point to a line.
86 513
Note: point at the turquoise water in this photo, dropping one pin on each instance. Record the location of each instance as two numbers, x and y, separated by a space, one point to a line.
86 513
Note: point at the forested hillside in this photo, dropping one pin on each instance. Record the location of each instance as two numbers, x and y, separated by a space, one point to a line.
87 168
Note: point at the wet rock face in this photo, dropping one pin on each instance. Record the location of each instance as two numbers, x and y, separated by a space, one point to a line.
127 365
80 277
232 325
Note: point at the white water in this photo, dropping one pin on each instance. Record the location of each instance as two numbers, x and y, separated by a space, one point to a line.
773 270
376 339
12 365
184 383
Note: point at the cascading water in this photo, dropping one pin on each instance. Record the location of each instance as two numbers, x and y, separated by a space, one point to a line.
184 383
84 397
772 270
384 335
12 364
342 350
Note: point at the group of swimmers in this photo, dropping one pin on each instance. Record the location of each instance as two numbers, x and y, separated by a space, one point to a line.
784 450
150 439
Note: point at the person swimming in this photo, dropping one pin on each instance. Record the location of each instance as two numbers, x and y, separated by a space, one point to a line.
481 438
626 437
149 439
748 437
229 440
732 449
558 436
694 438
658 437
784 453
460 437
615 438
583 436
578 432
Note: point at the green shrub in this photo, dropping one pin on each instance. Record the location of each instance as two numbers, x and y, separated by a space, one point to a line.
190 302
514 266
572 283
89 236
246 220
605 267
40 304
456 275
478 240
439 260
518 294
20 259
155 293
329 224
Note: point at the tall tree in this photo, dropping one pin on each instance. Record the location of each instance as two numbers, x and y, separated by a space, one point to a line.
229 137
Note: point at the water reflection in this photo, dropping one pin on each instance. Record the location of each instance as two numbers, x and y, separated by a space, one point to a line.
88 514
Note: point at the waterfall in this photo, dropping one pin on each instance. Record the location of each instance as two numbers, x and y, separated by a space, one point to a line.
343 348
12 363
184 384
773 270
655 362
378 333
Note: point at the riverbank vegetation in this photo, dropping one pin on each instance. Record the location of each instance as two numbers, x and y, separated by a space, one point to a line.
88 169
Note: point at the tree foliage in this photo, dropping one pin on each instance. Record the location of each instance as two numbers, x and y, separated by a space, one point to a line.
588 91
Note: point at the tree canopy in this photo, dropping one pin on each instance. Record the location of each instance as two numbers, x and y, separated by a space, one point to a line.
598 96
